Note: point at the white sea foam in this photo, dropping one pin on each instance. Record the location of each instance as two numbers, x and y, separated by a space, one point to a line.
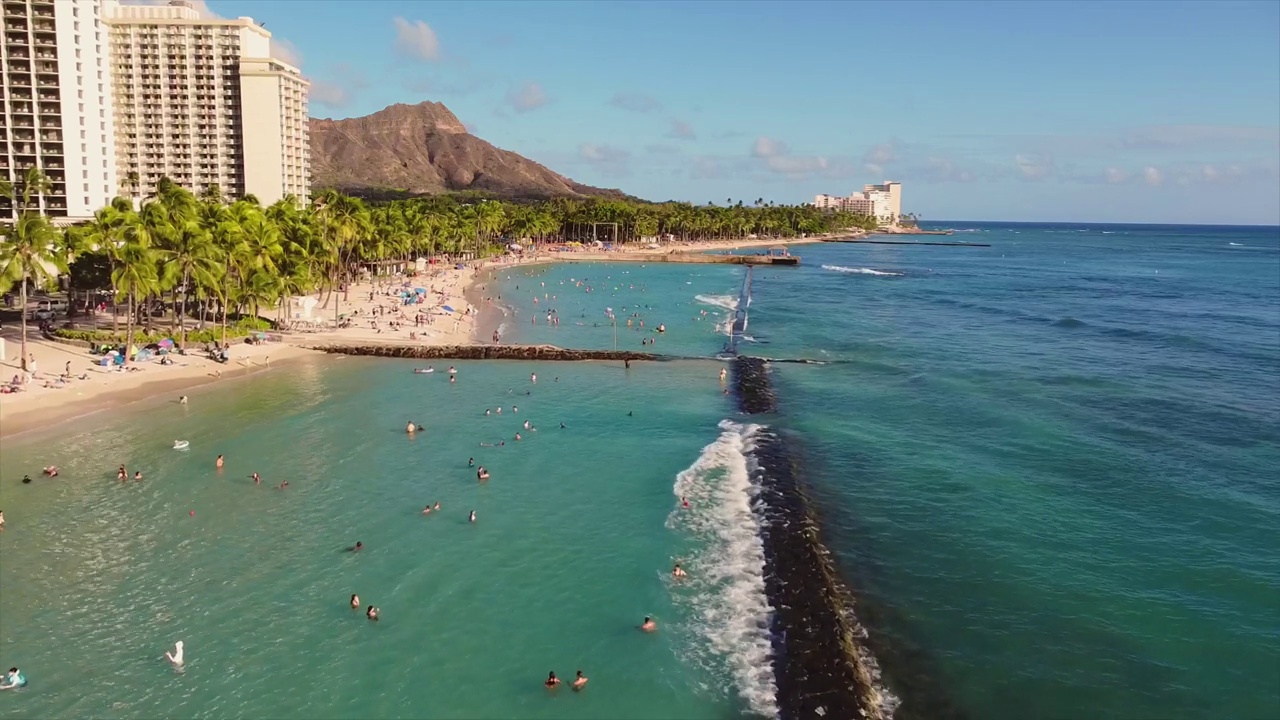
726 302
860 271
725 591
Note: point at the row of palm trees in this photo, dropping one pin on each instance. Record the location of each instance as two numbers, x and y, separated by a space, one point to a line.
213 256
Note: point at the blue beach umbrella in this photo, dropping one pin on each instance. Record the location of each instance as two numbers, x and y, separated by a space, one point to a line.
449 309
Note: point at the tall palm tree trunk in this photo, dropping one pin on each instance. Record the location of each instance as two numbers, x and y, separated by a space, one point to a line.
22 294
128 338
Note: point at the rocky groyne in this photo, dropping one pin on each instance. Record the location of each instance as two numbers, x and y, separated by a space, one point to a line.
485 352
821 669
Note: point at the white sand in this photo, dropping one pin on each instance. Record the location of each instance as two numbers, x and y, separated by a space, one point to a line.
39 405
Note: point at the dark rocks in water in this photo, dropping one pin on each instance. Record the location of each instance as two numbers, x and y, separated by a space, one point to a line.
821 670
755 392
485 352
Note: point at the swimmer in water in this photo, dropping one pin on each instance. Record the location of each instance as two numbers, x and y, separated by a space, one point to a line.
472 518
533 377
1 519
452 371
357 547
219 462
182 400
137 477
517 436
471 462
355 602
453 378
51 471
256 480
580 681
498 410
14 679
487 412
175 657
552 681
482 474
648 625
283 486
371 613
684 502
678 572
723 374
122 474
562 426
526 424
515 409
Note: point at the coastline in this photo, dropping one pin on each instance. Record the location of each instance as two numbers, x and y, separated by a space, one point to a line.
474 321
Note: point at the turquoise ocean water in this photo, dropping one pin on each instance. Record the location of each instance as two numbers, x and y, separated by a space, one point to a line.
1046 469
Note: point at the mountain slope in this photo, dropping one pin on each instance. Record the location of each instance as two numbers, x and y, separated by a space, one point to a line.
423 149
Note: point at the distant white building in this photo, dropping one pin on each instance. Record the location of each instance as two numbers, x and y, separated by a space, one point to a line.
882 202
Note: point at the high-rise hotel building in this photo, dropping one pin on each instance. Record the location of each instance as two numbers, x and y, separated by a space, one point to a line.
55 108
202 102
107 98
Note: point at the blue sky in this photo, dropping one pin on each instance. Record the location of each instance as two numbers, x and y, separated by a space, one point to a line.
1120 112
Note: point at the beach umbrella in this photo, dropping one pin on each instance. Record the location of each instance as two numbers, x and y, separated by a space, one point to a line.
420 291
166 343
449 309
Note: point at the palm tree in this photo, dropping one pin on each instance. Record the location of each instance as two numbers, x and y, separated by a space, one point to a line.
29 250
135 275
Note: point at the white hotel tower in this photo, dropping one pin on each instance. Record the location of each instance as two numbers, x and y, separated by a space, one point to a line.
202 102
96 93
55 108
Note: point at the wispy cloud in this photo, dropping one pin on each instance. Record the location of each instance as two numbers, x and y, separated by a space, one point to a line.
416 40
607 159
526 97
339 88
681 130
282 49
635 102
776 158
1034 166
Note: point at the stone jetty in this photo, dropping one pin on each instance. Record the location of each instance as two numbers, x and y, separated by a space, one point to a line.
485 352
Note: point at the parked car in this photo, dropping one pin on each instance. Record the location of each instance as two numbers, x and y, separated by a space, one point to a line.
49 309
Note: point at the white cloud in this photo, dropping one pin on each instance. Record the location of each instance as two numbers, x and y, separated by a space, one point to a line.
778 159
282 49
605 158
329 94
681 130
765 147
1033 167
415 39
526 97
881 155
635 102
341 89
1152 176
1116 175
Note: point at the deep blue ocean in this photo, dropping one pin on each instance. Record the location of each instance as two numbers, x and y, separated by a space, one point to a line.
1047 470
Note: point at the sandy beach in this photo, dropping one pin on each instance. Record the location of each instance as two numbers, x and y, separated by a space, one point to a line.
373 312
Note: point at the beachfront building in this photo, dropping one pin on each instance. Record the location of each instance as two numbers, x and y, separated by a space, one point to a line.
56 107
200 100
882 202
